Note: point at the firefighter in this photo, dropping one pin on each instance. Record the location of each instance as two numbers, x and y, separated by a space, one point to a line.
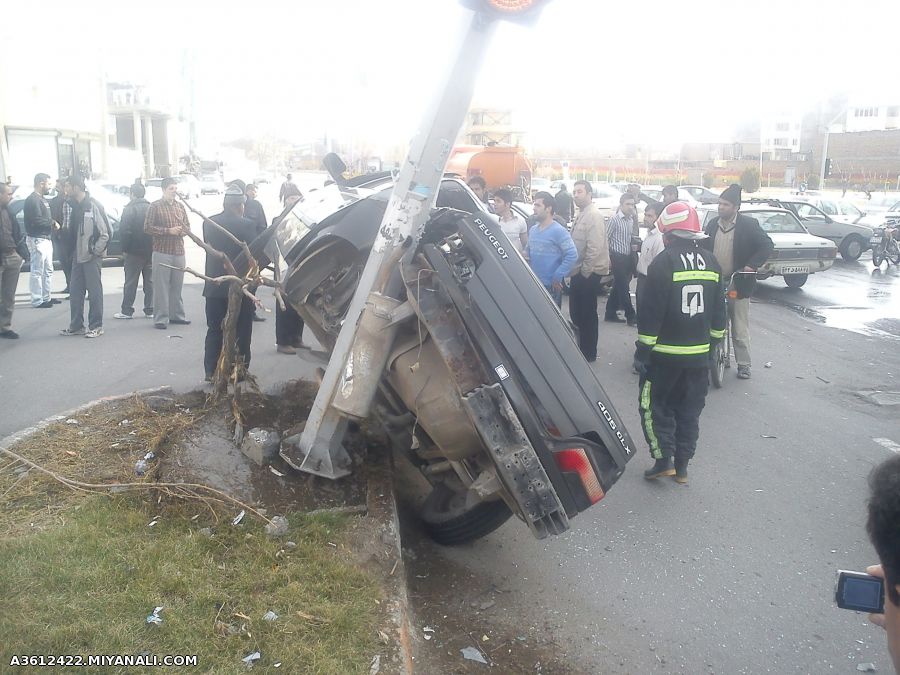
682 316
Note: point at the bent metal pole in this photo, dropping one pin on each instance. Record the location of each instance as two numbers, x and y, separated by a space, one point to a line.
359 357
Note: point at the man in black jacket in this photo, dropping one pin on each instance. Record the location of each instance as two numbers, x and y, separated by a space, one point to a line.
682 316
62 238
740 245
137 246
564 204
12 251
39 227
216 294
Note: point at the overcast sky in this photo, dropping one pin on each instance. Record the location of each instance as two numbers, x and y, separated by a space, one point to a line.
590 71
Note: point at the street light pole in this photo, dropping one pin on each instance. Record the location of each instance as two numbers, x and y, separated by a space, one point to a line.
350 382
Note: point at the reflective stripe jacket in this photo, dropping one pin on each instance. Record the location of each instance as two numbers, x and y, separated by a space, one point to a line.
683 305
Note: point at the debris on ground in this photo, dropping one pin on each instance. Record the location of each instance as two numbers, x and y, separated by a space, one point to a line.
278 527
865 667
270 616
251 658
429 632
375 666
473 654
71 421
239 517
261 445
768 364
155 618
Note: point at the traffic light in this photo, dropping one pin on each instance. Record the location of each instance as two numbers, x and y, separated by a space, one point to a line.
520 11
827 168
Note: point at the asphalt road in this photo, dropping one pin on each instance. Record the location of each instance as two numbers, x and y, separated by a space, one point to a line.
44 373
734 573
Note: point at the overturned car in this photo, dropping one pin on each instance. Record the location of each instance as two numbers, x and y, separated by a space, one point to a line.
485 391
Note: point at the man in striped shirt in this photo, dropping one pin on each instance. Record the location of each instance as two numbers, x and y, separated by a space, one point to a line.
618 231
168 222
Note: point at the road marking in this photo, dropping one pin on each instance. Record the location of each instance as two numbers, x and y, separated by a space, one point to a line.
888 443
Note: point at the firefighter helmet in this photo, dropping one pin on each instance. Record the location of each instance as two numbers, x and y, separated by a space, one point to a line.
680 220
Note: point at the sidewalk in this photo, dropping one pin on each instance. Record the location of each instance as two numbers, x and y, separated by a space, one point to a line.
44 373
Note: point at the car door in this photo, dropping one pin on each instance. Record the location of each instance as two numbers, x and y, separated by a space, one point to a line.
818 223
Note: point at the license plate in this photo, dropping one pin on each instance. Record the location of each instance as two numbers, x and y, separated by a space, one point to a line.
874 241
795 269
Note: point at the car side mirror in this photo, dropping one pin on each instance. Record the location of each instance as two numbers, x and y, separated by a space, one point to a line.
335 167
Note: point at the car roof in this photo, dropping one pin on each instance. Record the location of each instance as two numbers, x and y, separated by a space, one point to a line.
748 207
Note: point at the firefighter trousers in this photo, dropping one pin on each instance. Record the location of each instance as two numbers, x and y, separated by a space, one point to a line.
670 402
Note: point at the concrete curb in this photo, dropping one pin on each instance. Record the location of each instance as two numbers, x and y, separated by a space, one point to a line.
18 436
382 505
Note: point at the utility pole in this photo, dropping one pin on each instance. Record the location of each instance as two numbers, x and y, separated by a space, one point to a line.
363 345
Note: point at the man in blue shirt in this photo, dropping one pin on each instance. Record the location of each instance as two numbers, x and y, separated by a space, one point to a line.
550 250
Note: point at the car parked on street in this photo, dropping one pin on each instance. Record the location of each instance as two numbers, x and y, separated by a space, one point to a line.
700 194
851 238
111 204
212 184
188 185
797 253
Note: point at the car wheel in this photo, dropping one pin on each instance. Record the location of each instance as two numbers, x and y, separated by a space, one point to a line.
450 521
795 280
851 248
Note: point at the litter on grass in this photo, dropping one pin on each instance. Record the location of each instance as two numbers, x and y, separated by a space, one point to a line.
250 658
155 617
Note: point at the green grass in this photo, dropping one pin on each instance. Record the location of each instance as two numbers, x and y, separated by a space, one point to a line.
86 587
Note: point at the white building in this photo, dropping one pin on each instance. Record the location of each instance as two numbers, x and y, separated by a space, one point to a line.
868 116
780 134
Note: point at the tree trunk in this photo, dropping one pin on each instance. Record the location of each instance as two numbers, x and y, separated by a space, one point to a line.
225 367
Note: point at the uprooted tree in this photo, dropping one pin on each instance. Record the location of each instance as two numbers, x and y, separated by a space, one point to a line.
230 367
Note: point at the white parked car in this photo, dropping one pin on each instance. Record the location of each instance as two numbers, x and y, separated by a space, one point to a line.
797 253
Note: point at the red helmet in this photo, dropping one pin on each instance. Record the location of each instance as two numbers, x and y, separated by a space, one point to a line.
680 220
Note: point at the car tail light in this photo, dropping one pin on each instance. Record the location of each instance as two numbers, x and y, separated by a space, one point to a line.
575 460
829 252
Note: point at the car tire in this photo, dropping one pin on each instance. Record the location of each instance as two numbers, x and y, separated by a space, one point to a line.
795 280
852 247
449 522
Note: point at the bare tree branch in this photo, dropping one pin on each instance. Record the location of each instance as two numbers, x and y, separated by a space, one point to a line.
251 261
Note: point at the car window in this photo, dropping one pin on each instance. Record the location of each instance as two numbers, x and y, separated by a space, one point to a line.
808 211
828 207
453 196
778 222
895 207
849 210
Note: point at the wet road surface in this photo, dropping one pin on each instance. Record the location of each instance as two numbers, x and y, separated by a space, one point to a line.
855 296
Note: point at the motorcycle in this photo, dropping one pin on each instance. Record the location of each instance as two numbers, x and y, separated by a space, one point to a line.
885 245
485 392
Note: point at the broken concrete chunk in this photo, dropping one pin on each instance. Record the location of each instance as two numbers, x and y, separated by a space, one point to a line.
261 445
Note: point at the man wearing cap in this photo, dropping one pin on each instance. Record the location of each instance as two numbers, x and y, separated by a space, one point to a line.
740 245
216 294
682 315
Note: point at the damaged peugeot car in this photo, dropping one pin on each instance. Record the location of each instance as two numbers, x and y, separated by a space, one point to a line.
485 391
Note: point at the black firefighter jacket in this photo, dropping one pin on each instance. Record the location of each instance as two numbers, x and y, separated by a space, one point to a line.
682 306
